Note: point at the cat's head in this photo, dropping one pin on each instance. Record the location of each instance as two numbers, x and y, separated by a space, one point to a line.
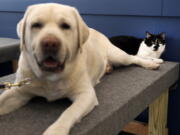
155 40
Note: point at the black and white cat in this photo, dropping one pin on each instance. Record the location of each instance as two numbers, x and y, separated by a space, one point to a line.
152 46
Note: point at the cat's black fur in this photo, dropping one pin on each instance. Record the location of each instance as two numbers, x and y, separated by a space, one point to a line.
131 44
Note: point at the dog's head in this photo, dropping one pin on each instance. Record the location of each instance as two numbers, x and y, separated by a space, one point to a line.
52 34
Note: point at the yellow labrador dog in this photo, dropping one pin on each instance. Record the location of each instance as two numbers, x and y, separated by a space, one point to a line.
64 58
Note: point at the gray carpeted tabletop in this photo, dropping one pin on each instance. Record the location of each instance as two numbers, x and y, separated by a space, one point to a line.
122 96
9 49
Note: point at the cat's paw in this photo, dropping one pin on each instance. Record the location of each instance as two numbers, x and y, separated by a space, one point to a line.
159 61
150 64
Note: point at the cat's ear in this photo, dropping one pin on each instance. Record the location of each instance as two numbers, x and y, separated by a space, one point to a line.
148 35
162 35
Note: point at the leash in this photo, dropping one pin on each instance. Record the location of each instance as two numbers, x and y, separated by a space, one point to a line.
7 85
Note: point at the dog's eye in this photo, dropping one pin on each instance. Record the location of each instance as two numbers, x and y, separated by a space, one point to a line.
37 25
65 26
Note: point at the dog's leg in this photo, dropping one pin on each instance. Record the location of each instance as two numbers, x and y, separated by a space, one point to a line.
109 68
11 100
117 56
83 103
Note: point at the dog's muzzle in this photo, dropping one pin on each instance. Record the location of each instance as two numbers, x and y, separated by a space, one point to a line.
50 46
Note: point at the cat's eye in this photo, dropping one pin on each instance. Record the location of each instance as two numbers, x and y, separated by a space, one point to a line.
37 25
65 26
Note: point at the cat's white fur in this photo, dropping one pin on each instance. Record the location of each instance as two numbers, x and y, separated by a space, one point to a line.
148 52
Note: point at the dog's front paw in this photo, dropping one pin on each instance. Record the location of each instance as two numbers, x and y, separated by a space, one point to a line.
56 130
2 112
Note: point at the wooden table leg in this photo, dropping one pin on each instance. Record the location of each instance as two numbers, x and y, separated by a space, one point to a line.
14 65
158 115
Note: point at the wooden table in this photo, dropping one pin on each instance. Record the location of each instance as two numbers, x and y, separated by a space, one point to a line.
9 49
122 96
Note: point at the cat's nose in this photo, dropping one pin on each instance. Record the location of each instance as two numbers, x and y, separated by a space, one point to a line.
156 47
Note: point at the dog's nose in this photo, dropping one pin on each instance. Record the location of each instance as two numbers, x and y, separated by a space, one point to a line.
50 43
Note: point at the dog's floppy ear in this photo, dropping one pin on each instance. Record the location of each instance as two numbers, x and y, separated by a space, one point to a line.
21 27
83 30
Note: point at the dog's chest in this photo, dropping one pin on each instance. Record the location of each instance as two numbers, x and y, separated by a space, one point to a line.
54 94
51 91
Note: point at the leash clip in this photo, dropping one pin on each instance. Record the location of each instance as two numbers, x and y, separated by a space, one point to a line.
7 85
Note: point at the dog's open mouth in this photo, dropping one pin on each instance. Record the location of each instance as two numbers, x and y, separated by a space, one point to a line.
51 64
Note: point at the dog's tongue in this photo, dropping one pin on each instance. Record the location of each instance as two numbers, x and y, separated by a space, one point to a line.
50 63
